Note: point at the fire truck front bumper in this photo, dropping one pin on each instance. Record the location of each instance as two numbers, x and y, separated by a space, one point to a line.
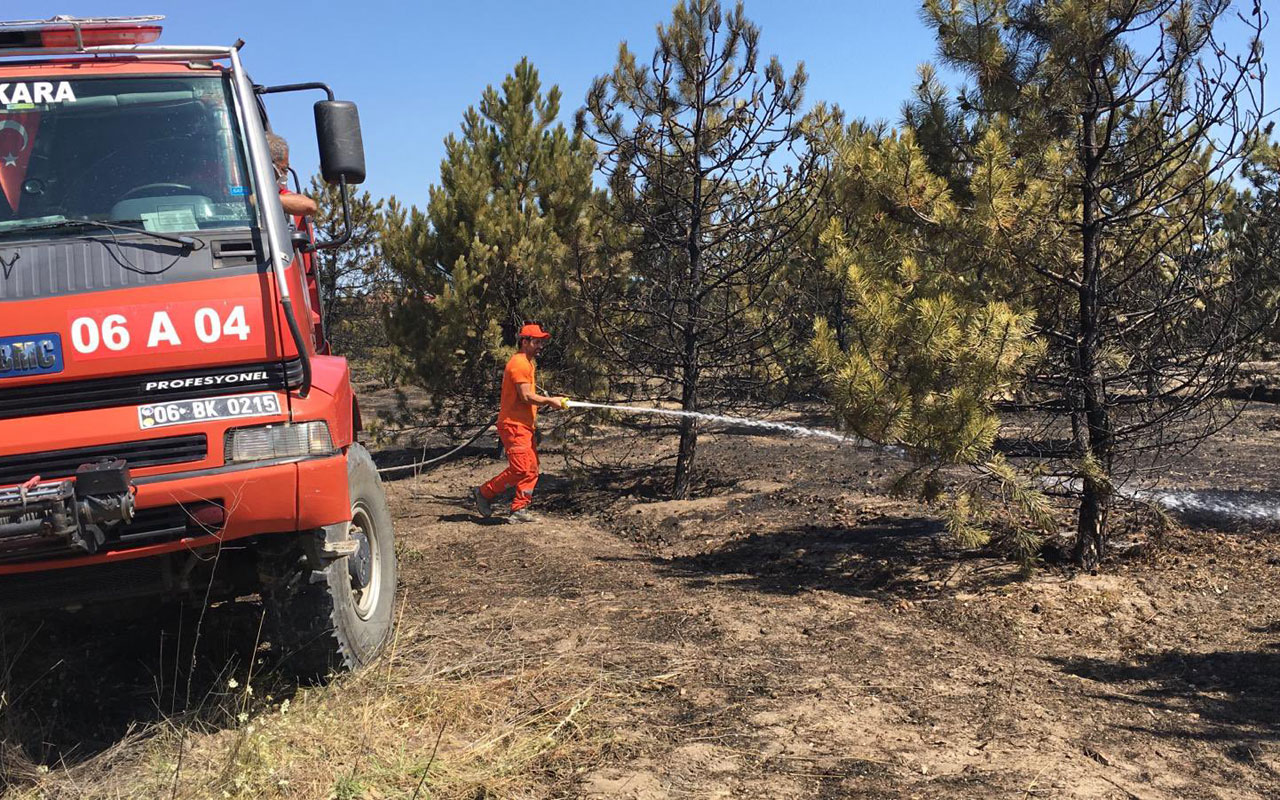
113 516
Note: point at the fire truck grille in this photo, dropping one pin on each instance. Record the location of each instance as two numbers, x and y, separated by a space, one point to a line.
54 464
55 398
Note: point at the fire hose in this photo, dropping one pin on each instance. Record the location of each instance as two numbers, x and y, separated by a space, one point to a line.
445 456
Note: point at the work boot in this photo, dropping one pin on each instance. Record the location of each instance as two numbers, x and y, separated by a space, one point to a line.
485 507
523 515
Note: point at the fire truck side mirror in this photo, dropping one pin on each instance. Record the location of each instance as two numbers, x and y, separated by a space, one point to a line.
341 146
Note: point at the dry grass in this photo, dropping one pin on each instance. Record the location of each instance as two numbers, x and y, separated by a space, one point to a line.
409 726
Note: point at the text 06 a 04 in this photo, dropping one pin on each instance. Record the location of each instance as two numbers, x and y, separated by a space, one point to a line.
170 328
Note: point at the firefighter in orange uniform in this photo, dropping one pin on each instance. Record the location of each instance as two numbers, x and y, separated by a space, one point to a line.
517 420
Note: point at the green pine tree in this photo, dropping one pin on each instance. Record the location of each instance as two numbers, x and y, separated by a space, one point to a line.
1254 227
502 241
356 287
911 355
1096 143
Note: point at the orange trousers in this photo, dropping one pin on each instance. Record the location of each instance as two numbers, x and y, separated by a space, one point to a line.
522 465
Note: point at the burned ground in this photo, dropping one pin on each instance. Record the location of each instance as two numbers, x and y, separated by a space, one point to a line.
794 631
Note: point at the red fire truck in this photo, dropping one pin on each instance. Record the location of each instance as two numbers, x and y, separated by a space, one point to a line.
172 423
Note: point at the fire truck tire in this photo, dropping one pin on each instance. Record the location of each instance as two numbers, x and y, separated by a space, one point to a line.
324 620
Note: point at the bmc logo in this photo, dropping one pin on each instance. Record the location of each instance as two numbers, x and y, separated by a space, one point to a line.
35 354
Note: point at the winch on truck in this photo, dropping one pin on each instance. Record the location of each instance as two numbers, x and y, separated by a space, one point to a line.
173 425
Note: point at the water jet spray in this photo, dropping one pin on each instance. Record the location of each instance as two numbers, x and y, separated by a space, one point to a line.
780 427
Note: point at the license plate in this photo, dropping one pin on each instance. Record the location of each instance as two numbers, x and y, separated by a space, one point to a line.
184 412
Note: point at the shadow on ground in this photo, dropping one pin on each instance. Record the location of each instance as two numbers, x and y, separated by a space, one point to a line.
606 489
78 684
905 557
1235 693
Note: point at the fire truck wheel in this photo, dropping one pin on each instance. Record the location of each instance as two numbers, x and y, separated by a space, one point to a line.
339 617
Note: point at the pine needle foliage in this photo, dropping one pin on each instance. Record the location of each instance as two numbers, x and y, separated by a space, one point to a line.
1254 228
913 358
924 367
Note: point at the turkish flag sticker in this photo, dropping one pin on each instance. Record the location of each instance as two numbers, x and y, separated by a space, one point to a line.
17 134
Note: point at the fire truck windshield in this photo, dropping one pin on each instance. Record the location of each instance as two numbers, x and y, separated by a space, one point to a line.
162 153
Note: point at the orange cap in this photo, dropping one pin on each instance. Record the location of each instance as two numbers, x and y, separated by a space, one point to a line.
533 330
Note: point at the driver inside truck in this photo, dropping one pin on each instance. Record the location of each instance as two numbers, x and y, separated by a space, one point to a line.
295 205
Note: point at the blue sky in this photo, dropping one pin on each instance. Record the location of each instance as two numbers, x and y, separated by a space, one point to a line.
414 67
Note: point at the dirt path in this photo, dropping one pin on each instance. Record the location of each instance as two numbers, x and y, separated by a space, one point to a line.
792 633
798 634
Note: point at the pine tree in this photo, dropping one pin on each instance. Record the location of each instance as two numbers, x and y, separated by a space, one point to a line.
704 150
1254 227
911 356
355 285
498 244
1098 142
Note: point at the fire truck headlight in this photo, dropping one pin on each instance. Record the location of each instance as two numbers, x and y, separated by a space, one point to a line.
267 442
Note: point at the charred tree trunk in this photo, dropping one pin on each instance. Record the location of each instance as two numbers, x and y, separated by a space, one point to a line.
688 425
1096 454
689 372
